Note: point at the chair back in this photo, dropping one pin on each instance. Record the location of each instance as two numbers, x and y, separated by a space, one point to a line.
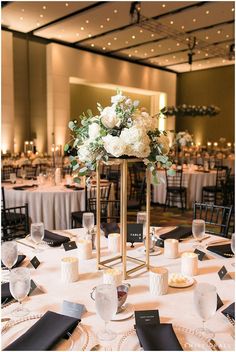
6 171
15 222
221 175
3 202
217 218
174 181
31 171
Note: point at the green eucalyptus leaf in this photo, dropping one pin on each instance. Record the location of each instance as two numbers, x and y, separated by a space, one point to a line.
66 147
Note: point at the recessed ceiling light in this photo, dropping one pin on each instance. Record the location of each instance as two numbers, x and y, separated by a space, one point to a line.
133 36
178 44
227 35
77 34
101 26
104 48
141 31
169 49
174 57
109 43
92 45
89 35
166 60
115 38
182 27
159 45
223 61
87 21
82 28
108 19
130 55
206 54
22 10
145 54
194 20
41 16
38 24
199 65
207 12
44 7
219 31
232 9
206 37
163 5
126 42
136 51
171 22
115 11
66 4
199 52
152 35
152 50
21 18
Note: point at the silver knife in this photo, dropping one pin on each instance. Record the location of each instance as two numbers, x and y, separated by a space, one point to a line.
25 244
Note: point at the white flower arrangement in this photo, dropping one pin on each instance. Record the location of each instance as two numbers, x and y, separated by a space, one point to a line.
121 129
183 139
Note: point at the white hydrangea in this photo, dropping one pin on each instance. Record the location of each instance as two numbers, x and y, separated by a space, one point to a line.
118 98
183 138
137 141
109 117
114 145
85 154
93 131
145 121
164 143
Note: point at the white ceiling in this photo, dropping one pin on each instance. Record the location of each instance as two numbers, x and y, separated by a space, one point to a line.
106 27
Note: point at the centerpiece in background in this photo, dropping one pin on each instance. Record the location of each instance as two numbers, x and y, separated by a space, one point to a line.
126 133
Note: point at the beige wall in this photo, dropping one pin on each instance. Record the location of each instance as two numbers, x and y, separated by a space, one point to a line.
214 86
64 63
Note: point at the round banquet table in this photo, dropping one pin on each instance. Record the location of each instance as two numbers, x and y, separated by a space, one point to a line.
49 204
175 307
193 180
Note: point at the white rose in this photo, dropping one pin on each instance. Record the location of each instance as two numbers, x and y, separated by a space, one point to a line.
109 118
137 141
84 154
114 145
117 98
93 131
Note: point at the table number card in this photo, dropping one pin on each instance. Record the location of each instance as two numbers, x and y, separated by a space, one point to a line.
219 302
69 245
35 262
34 289
74 310
201 255
160 242
147 317
223 273
134 233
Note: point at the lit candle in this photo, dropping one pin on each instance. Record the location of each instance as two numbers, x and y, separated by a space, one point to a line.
114 242
209 144
112 277
69 269
171 248
228 144
215 144
85 249
189 264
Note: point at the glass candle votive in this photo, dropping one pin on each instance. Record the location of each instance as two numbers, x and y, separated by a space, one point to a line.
85 248
114 242
69 269
171 248
189 264
112 276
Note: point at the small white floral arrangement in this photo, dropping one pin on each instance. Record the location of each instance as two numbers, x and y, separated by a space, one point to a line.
183 139
121 129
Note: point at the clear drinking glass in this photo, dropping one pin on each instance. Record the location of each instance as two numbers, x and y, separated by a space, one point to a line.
205 302
9 254
198 230
23 173
13 178
37 234
142 219
106 302
88 222
19 288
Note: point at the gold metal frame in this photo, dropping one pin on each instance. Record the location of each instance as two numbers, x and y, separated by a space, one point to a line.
123 258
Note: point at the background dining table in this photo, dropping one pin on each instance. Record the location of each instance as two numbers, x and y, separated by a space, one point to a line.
176 307
193 180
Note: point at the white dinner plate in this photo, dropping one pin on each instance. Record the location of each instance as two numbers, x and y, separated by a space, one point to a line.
74 343
126 313
189 282
188 339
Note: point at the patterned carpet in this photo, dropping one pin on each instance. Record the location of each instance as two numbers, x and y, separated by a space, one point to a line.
170 217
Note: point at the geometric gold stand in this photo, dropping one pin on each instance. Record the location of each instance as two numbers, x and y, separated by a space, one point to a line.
123 257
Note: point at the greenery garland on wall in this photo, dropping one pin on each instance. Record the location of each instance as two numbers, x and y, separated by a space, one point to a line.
190 110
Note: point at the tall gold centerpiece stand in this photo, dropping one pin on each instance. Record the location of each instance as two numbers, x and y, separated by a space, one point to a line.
123 257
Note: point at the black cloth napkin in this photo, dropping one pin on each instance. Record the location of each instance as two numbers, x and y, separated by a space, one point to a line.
158 337
44 334
23 187
224 250
110 227
230 310
5 293
178 233
53 239
20 259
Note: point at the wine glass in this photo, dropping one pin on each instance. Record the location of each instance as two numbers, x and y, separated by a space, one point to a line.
198 230
9 254
205 302
23 173
233 245
37 234
106 302
88 222
19 288
13 178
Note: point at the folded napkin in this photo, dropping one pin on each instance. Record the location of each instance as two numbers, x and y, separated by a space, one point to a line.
230 310
111 227
5 293
75 188
224 250
20 259
53 239
178 233
158 337
44 334
23 187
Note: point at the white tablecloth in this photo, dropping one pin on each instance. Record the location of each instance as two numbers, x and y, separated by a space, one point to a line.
175 307
51 205
193 180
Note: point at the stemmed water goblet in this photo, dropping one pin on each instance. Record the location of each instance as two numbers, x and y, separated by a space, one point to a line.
198 230
205 302
19 288
13 178
88 223
37 234
9 254
106 302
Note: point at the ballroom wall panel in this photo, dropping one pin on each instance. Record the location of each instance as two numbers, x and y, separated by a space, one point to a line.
214 86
